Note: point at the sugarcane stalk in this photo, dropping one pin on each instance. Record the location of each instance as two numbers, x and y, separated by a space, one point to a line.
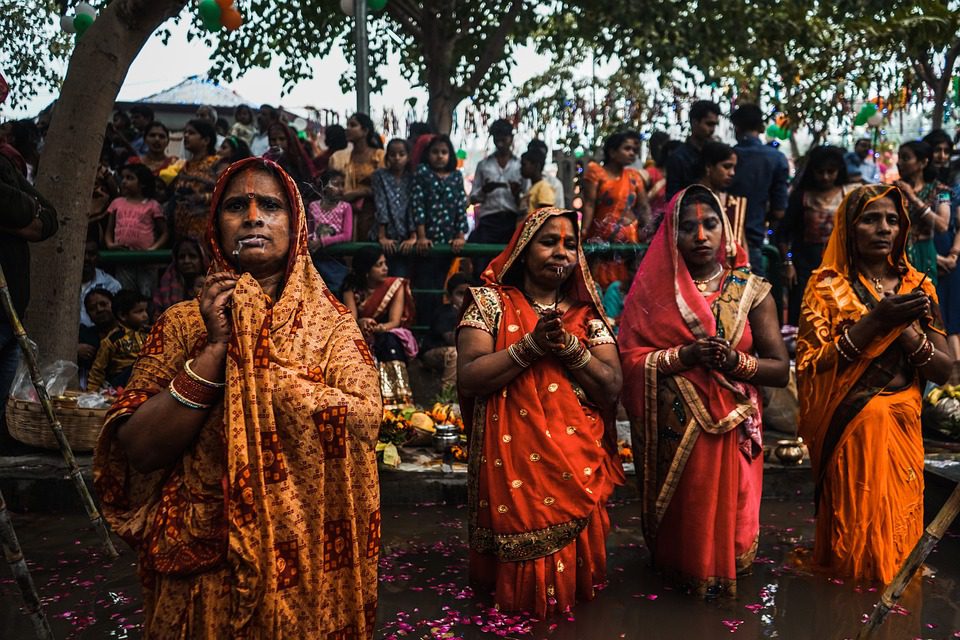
21 573
931 536
65 450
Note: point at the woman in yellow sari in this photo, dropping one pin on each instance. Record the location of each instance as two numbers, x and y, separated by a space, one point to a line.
870 336
239 461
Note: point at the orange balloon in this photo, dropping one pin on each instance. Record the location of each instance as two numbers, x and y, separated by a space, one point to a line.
225 4
231 19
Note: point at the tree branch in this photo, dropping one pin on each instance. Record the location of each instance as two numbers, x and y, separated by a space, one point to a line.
492 50
407 15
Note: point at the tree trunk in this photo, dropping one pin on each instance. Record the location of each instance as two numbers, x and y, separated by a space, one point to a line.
440 109
939 95
69 161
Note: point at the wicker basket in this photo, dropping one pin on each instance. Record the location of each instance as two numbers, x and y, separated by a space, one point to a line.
28 423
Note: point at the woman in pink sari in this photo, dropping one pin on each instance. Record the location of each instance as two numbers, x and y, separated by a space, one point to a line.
699 333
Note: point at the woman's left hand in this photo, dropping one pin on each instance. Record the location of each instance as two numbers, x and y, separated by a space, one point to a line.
456 245
721 356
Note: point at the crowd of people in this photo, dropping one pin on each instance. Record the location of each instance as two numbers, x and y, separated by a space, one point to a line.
256 389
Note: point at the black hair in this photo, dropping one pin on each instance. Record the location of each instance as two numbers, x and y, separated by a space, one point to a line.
406 147
538 145
457 280
241 107
156 124
501 127
859 140
25 137
417 129
535 157
923 151
143 110
615 140
125 300
241 150
148 182
335 137
124 115
938 136
363 261
748 117
327 176
818 157
666 149
206 130
711 154
700 109
373 138
451 159
700 196
656 143
100 291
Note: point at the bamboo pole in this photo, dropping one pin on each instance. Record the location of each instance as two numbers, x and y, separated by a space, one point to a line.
21 573
74 469
931 536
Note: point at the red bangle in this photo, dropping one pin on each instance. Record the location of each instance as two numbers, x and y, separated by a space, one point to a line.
191 393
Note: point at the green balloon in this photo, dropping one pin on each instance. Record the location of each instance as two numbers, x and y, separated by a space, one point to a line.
376 5
865 112
210 15
784 134
774 131
462 154
82 22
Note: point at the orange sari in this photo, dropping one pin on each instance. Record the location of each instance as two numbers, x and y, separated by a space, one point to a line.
615 199
268 526
698 431
543 459
864 437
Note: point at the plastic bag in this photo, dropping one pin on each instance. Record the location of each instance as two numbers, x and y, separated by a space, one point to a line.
94 400
55 375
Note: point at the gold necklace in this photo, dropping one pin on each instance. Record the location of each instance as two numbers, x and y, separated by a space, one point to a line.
877 284
703 284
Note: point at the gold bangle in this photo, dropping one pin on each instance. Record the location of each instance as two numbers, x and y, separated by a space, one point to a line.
194 376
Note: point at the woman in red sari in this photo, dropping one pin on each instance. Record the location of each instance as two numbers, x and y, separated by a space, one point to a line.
538 379
383 307
699 332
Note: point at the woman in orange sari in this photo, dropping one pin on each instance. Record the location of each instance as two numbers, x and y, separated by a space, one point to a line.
538 378
699 333
870 337
383 307
239 461
615 206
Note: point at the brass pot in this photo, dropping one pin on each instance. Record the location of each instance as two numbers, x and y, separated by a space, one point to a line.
789 452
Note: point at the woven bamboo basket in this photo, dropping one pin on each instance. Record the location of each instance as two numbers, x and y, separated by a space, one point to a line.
28 423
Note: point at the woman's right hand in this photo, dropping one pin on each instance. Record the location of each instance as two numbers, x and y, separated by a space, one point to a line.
215 301
367 325
549 333
424 245
899 309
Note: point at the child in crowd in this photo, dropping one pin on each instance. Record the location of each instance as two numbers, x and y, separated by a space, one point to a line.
439 350
615 294
391 196
98 303
243 126
330 221
232 149
540 194
136 222
438 207
119 350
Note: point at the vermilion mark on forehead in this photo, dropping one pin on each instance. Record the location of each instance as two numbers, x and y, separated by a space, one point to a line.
700 234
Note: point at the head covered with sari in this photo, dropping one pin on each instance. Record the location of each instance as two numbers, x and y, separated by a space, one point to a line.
837 296
664 309
243 509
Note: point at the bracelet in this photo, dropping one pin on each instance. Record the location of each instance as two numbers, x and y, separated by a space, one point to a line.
746 366
846 356
517 358
926 351
846 338
194 376
191 393
668 361
575 355
525 351
923 344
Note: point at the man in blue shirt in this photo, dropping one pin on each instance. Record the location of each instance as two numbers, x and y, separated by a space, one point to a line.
761 178
682 163
857 164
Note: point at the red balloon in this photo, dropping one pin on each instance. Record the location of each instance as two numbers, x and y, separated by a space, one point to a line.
231 18
225 4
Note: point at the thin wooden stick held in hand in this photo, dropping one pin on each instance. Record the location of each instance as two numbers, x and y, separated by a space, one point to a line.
65 450
18 566
931 536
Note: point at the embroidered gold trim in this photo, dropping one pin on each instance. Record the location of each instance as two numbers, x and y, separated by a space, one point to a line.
517 547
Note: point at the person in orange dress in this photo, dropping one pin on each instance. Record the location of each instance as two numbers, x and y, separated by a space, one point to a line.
870 337
698 335
538 378
239 461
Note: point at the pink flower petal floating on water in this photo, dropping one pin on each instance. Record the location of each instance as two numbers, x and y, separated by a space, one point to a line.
753 608
652 596
733 625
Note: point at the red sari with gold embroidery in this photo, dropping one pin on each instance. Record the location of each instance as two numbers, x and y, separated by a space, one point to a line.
543 459
696 433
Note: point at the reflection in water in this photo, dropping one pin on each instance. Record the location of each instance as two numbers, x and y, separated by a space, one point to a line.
424 591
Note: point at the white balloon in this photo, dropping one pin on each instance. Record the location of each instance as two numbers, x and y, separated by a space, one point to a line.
875 120
85 8
66 23
347 6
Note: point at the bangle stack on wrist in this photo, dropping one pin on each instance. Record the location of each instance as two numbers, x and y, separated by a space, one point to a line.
746 366
923 354
194 391
525 351
575 355
846 348
668 361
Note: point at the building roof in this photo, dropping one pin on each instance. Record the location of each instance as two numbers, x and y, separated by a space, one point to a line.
197 91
